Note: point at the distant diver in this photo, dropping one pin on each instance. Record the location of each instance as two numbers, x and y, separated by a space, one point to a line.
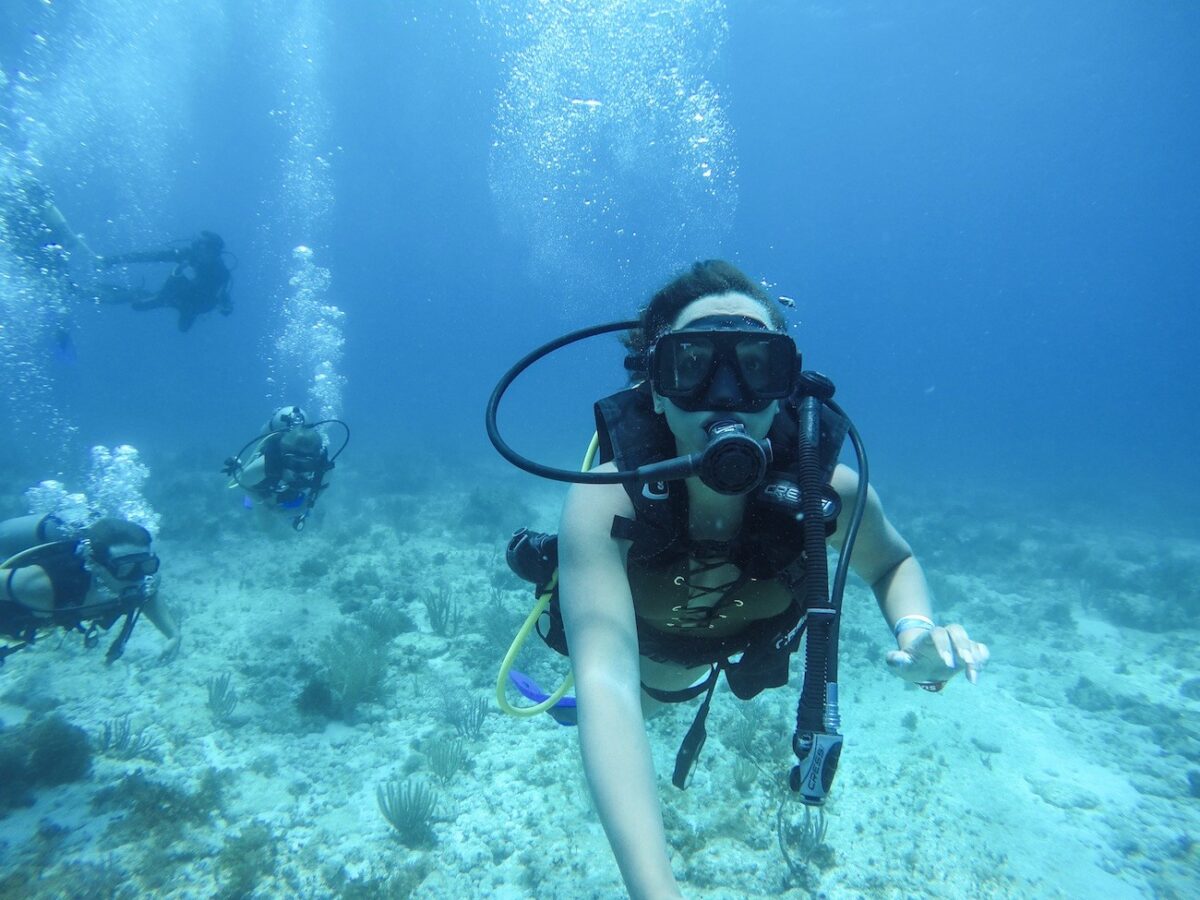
286 466
35 233
199 283
35 230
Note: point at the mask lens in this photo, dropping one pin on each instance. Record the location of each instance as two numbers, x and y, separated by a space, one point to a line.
297 462
138 565
688 366
766 364
691 363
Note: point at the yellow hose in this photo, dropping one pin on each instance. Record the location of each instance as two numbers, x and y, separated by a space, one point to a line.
543 601
510 657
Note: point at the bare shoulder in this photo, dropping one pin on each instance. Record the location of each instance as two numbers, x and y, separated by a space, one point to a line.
844 481
31 587
589 508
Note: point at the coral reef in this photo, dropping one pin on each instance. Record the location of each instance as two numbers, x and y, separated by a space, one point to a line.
47 752
409 808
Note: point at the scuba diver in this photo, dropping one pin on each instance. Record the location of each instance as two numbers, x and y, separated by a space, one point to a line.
56 260
81 579
199 283
287 469
698 546
35 228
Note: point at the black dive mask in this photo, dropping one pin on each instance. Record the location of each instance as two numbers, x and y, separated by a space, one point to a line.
763 364
300 463
133 566
724 364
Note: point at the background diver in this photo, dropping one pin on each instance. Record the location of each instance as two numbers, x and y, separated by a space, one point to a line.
287 466
56 260
199 283
81 579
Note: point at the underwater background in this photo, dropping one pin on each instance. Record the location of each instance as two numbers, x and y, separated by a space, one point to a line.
987 217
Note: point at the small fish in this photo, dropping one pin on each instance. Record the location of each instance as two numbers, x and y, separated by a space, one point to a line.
590 104
787 301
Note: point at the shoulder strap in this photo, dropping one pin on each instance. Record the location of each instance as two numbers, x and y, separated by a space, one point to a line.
784 436
37 554
272 454
631 434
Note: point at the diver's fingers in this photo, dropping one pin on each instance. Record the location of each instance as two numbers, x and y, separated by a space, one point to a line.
973 655
944 643
899 660
980 654
960 642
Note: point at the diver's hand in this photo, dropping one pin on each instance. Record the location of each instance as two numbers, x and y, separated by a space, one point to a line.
232 466
932 658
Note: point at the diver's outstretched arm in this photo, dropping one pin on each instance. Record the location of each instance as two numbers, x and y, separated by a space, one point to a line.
598 613
173 254
927 654
57 223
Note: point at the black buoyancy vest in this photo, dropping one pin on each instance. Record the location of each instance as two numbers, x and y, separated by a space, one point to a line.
631 434
307 469
71 582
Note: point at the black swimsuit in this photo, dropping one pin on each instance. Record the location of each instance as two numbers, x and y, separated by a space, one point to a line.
69 580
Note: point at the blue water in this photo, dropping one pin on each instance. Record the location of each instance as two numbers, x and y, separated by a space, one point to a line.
987 216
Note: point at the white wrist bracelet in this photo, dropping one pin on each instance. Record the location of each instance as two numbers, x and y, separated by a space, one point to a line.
906 622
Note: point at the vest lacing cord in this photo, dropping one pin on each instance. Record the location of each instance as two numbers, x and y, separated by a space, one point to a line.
686 616
708 556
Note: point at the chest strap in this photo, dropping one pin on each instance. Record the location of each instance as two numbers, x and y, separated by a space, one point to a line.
697 734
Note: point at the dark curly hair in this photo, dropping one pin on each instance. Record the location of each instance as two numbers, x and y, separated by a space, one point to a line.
301 441
706 278
107 533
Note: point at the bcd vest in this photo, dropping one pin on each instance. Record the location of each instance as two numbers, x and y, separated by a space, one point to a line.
768 545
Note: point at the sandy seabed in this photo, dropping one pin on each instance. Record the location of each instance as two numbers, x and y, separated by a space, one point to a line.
1071 770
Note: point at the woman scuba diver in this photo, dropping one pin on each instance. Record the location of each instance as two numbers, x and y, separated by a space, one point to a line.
697 547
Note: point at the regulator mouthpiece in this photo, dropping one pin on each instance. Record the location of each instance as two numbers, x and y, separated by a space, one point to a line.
733 462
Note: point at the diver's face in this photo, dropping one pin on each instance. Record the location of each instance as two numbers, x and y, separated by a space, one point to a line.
688 427
128 564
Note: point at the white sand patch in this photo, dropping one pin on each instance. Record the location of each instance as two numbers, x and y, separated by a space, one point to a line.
1009 788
